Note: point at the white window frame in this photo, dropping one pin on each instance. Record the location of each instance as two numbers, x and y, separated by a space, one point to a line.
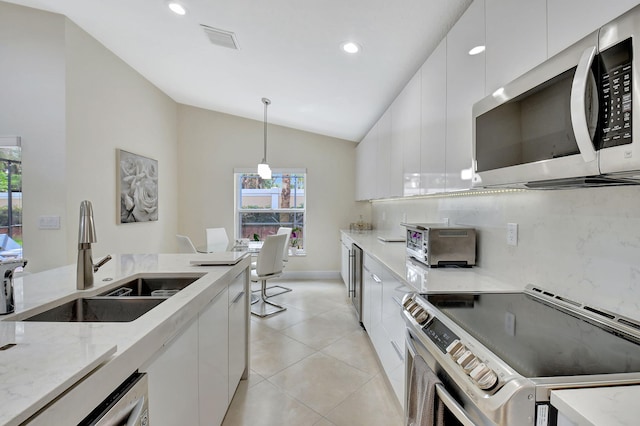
238 210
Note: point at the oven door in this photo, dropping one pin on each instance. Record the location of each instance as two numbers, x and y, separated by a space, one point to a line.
458 410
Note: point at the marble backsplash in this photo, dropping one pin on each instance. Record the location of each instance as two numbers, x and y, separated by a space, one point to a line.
580 243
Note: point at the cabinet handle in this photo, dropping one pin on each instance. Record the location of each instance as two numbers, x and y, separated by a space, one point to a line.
238 297
376 279
397 349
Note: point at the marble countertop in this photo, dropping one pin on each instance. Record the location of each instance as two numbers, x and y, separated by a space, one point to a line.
422 278
73 350
616 405
588 406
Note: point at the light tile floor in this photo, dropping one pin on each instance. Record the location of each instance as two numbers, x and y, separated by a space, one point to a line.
313 365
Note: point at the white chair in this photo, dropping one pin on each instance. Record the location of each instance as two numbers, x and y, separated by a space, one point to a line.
268 266
285 258
217 239
185 245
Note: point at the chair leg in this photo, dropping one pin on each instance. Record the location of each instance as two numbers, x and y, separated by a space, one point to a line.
282 291
261 307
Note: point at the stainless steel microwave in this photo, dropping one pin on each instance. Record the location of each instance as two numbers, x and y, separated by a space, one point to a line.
569 121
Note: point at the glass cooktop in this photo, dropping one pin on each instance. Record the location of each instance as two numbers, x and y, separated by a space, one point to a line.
538 339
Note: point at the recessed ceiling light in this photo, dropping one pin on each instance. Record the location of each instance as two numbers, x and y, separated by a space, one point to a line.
350 47
177 8
476 50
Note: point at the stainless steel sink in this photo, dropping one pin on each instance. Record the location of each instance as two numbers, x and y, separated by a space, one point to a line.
145 286
99 309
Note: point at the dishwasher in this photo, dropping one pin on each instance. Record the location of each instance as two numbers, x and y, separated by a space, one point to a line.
128 405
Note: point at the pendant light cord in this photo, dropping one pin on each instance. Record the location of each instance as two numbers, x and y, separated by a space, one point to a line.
266 103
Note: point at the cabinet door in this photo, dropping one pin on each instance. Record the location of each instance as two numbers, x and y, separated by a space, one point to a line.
345 259
367 286
173 381
465 86
393 290
238 335
434 110
405 127
213 361
383 157
366 157
389 184
570 20
516 39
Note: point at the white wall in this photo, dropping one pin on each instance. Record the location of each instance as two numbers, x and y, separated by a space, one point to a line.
73 103
32 105
212 144
110 106
582 243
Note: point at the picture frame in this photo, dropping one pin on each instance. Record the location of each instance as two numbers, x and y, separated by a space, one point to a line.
136 188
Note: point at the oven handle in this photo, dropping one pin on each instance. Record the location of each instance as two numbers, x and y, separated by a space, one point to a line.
454 407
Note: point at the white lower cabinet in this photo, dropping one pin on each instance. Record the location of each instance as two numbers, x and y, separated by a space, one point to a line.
213 360
173 381
383 321
238 333
193 377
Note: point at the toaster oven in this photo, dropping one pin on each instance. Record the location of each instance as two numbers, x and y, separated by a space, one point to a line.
437 245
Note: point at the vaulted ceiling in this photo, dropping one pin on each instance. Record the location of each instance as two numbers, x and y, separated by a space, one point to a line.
288 51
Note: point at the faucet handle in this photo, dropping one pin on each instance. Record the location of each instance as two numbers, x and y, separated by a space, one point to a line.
101 262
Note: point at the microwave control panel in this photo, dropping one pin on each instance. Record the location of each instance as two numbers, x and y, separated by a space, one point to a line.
616 94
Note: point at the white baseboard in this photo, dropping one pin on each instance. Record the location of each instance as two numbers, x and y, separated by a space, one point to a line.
310 275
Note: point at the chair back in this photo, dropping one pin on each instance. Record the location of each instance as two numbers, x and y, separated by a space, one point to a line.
217 239
287 231
270 257
185 245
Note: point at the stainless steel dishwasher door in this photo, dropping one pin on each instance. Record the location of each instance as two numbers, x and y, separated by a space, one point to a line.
126 406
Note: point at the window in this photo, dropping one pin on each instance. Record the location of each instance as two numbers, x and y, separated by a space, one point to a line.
10 202
262 206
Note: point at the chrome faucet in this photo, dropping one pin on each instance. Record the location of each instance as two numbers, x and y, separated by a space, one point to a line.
86 236
7 268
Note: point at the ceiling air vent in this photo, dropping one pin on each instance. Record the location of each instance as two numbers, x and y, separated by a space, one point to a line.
221 37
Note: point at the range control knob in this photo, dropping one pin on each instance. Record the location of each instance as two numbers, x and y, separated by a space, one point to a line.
421 317
456 349
407 300
485 377
468 361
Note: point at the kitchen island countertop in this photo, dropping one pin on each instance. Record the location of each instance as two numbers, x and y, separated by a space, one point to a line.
97 357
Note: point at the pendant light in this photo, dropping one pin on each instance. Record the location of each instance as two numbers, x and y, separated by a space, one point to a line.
263 168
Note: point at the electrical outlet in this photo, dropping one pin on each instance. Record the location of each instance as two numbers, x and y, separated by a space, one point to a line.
512 234
404 218
49 222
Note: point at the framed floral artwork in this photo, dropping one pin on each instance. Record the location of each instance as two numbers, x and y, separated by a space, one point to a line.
137 187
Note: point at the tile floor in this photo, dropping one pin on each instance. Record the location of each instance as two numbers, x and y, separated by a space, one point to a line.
313 365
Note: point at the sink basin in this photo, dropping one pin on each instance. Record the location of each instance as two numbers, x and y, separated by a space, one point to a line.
159 287
99 310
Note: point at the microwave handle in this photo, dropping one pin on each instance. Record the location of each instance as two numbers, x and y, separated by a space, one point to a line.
578 113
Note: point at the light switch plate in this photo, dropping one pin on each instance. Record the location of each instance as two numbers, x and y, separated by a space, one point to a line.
512 234
49 222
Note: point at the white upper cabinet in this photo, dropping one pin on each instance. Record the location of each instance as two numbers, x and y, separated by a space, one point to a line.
396 184
465 86
516 39
570 20
405 128
434 115
384 174
366 163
